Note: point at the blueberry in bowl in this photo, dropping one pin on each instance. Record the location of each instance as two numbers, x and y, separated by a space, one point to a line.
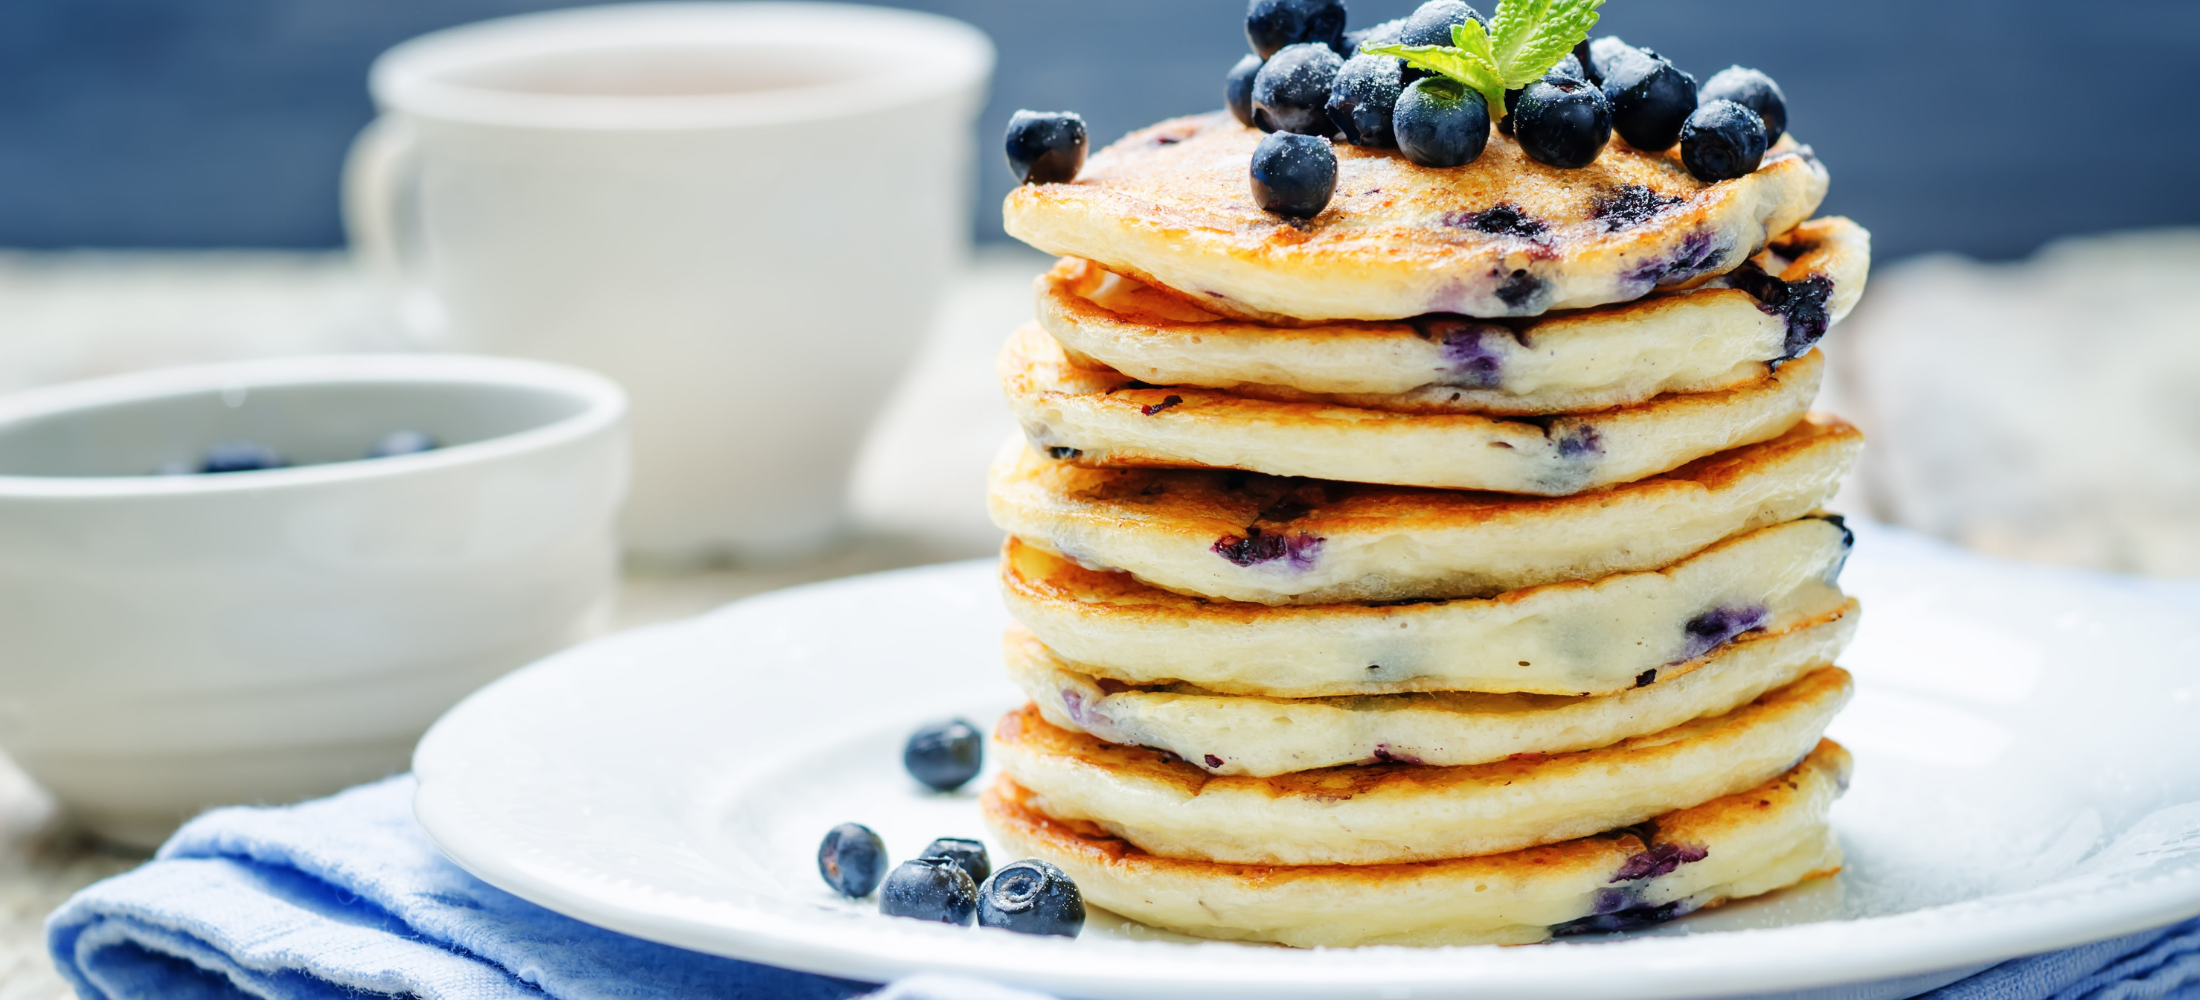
1440 123
1650 97
852 859
1721 141
1237 89
944 755
1291 91
1032 897
1753 90
930 889
1046 147
1563 123
1363 96
1294 175
239 456
1272 25
397 443
968 853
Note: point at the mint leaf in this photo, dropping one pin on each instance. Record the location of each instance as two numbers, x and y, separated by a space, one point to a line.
1471 38
1524 40
1457 63
1533 35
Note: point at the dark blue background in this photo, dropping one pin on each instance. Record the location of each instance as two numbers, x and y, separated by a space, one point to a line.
1985 126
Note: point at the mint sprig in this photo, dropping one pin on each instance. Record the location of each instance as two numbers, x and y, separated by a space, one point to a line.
1525 39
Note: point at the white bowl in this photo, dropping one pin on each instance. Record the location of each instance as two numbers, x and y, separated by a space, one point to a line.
173 642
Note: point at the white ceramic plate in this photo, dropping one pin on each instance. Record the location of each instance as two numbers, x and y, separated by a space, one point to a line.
2028 778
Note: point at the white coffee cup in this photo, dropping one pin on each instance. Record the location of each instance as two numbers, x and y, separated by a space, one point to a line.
743 212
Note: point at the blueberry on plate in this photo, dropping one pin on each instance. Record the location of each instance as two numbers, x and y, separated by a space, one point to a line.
402 443
1046 147
852 859
1291 91
1272 25
1721 141
929 889
968 853
1386 33
944 755
1564 123
1441 123
1031 897
1650 98
1294 175
1362 97
1237 89
1752 90
240 456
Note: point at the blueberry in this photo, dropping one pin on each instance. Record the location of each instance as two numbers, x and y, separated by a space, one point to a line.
1568 68
968 853
1586 61
1294 175
1046 147
1291 91
1031 897
1386 33
1237 88
1431 23
1752 90
1650 98
1441 123
240 456
402 443
852 859
1721 141
1596 56
1271 25
944 755
1362 98
930 889
1562 122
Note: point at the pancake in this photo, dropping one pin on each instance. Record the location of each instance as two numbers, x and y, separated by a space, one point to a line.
1734 847
1098 416
1504 236
1720 336
1262 737
1388 813
1269 540
1574 638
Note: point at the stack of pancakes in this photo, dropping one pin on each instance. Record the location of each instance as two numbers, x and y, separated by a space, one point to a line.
1447 568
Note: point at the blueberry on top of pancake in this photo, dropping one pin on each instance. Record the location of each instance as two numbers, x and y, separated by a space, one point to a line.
1170 206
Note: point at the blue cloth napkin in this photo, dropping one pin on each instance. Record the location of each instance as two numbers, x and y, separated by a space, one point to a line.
345 895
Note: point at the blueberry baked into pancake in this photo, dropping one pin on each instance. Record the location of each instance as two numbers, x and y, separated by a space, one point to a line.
1728 333
1417 529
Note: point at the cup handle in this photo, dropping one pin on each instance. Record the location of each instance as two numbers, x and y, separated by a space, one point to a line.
378 176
